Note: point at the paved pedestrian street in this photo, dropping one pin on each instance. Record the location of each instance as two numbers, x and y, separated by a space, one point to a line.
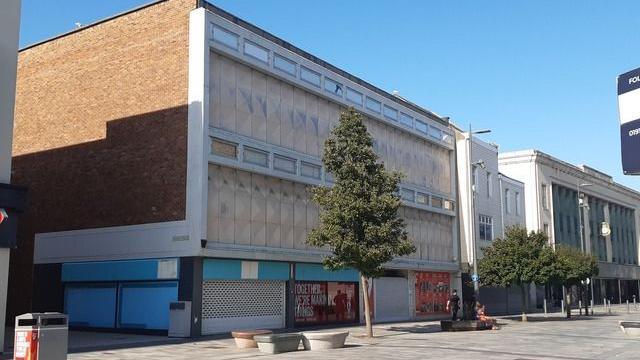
551 337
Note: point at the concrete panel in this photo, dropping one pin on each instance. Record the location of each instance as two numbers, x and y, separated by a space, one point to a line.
273 111
259 106
244 105
299 120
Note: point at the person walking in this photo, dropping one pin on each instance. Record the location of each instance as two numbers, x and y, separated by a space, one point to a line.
453 305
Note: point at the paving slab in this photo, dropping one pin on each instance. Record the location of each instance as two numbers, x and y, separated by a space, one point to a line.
543 337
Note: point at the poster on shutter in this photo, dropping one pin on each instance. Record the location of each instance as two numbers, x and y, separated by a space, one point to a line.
311 302
432 292
343 302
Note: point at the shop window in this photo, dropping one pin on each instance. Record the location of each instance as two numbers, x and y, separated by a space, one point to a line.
437 202
225 37
309 76
326 302
284 64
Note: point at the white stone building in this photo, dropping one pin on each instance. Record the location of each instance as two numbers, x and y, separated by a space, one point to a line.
570 203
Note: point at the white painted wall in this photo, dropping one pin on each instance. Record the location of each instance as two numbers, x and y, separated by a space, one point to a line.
9 30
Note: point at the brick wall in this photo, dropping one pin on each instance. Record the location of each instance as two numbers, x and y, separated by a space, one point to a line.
100 133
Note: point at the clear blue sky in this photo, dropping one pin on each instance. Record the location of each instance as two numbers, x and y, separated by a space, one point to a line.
540 74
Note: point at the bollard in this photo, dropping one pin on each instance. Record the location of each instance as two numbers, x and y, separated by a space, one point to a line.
562 306
635 305
609 306
628 311
544 304
580 306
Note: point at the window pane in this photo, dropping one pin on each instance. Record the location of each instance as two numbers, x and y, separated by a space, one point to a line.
449 205
284 163
435 132
333 87
406 120
390 113
407 195
310 170
436 202
224 148
283 64
420 126
448 138
373 105
354 96
482 234
225 37
256 51
255 156
310 76
422 198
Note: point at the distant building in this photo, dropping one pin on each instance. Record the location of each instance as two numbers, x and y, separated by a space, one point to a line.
565 200
499 202
169 149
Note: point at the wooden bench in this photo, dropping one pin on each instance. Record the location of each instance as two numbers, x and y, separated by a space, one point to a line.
464 325
631 328
278 343
245 338
324 340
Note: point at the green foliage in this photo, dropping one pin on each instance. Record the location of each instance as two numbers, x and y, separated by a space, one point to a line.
572 266
519 258
358 215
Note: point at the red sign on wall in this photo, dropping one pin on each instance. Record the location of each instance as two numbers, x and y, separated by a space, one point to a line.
432 292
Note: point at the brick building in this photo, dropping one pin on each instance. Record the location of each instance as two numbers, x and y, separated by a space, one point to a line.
167 151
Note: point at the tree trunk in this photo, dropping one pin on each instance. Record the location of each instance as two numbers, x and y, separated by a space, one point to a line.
367 312
524 302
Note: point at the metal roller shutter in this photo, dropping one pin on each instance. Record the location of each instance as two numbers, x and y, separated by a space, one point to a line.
229 305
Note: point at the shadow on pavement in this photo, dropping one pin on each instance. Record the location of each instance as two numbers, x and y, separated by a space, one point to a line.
547 318
417 329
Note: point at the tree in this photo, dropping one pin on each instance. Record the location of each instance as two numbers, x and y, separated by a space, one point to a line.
518 259
359 215
572 267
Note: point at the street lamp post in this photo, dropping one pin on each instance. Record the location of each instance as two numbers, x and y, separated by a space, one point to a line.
472 165
583 247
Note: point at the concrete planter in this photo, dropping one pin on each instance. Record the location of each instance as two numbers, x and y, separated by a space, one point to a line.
278 343
630 328
464 325
324 340
245 338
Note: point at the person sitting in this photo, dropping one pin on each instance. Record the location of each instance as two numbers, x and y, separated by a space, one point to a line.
481 311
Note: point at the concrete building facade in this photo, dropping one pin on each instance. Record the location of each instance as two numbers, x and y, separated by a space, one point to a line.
11 196
181 173
581 207
499 202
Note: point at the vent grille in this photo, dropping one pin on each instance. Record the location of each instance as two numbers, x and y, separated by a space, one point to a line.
242 298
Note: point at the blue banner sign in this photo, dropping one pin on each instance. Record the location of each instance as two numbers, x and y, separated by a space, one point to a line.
629 112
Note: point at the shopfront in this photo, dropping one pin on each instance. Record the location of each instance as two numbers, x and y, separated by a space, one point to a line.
324 297
431 293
